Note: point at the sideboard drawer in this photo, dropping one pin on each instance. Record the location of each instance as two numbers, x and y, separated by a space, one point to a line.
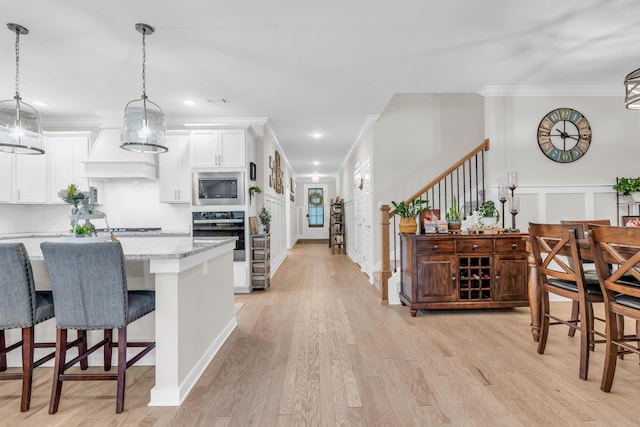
474 246
430 247
510 245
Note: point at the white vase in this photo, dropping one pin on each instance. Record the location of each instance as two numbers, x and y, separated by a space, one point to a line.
635 196
488 222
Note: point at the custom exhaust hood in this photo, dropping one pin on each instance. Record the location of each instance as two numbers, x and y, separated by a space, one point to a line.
108 161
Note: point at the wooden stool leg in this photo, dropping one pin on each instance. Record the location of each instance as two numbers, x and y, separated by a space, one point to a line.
58 370
544 328
27 367
82 348
108 347
3 355
611 355
122 368
575 312
585 335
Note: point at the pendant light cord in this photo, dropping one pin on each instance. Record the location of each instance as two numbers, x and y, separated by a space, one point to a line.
18 125
144 65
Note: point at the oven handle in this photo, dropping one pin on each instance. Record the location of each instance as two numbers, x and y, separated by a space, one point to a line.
218 221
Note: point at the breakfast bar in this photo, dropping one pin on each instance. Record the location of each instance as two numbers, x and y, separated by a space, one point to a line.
193 281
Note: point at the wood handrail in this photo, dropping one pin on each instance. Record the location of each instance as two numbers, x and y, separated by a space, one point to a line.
482 147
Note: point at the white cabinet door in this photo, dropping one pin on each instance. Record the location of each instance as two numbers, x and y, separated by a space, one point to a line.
7 162
204 149
65 161
31 178
218 148
175 171
232 148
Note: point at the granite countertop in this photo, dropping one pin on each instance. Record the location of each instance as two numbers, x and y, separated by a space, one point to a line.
134 247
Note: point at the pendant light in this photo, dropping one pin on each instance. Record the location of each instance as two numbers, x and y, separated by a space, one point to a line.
143 125
20 128
632 90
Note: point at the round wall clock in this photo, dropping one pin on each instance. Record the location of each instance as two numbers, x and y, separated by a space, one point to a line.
564 135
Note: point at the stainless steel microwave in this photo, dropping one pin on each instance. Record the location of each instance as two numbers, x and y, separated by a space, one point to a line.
218 188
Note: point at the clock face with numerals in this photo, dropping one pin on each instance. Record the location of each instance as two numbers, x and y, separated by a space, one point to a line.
564 135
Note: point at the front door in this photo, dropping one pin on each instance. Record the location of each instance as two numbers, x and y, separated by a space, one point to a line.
316 207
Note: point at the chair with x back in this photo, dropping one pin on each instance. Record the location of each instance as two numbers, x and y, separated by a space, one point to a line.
89 286
558 261
590 274
619 246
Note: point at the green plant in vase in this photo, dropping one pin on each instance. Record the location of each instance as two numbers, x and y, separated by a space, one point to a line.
453 216
408 213
628 187
265 218
488 214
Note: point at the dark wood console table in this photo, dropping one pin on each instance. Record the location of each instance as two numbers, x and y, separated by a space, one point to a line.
463 271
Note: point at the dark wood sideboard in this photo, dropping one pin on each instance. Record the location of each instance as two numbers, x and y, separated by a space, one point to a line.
463 271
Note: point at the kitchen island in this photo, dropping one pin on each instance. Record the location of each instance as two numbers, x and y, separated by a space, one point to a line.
194 313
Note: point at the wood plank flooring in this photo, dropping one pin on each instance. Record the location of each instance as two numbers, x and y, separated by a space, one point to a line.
317 349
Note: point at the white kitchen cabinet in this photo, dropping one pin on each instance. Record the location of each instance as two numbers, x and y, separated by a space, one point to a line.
175 171
7 166
66 156
31 178
218 148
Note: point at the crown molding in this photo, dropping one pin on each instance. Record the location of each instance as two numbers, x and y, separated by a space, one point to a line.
368 122
489 91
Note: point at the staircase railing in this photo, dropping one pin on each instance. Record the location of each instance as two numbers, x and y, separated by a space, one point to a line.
464 181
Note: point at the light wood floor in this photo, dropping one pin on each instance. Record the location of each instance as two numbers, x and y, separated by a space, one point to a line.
317 349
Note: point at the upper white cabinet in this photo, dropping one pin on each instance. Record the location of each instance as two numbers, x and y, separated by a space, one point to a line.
7 185
175 171
218 148
31 178
65 161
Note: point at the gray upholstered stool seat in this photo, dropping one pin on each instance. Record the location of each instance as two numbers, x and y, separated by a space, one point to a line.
21 306
89 284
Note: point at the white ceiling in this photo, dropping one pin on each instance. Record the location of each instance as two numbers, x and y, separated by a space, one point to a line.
307 66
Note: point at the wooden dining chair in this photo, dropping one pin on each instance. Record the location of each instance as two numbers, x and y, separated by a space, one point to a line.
575 309
557 256
89 284
619 246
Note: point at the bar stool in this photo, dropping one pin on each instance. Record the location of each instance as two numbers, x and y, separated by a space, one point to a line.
21 306
89 286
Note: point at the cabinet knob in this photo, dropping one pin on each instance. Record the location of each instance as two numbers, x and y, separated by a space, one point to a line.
497 277
474 247
453 278
514 246
436 246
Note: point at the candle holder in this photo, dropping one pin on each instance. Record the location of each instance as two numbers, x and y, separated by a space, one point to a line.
512 182
515 207
502 196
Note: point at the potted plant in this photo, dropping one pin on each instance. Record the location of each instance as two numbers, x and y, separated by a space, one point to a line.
253 190
488 214
628 187
408 213
265 219
454 221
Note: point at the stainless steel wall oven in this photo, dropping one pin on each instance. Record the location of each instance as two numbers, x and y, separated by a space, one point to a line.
221 223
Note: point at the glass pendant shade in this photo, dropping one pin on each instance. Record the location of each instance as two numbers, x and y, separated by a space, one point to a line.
20 127
143 127
143 124
632 90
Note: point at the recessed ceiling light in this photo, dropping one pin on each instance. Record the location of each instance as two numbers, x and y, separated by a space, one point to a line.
189 102
316 135
316 163
40 103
